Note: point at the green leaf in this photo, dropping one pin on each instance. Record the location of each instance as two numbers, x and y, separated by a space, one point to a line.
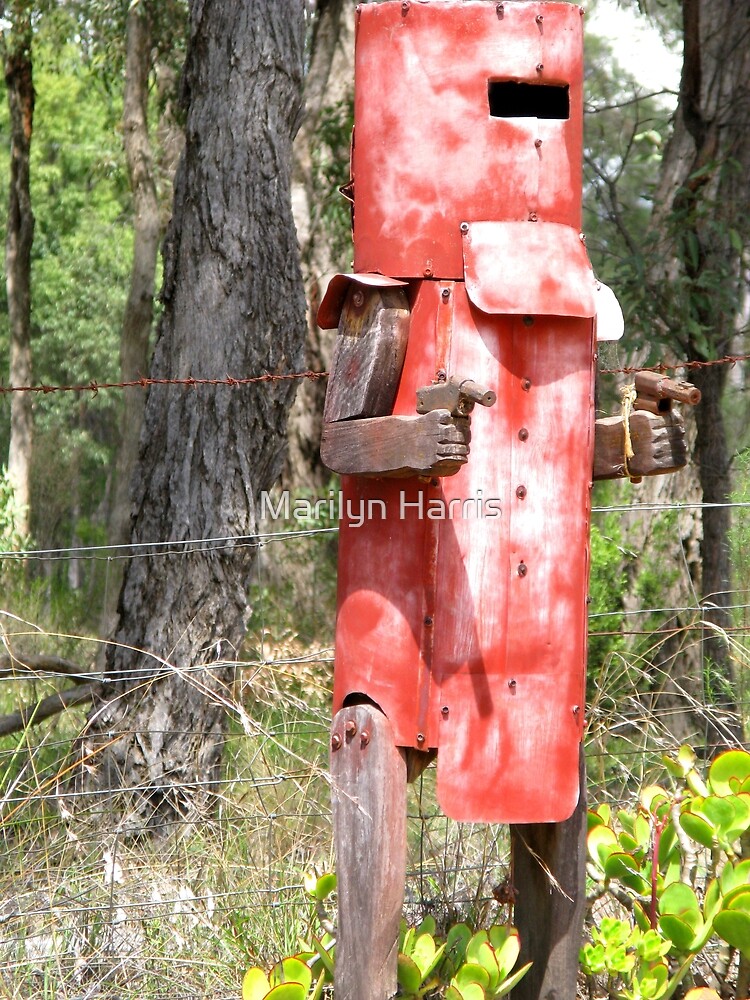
626 869
472 973
508 984
653 981
325 885
291 970
734 927
730 773
738 899
697 829
409 976
680 898
506 954
734 875
679 932
255 985
480 952
641 917
452 993
601 841
288 991
428 926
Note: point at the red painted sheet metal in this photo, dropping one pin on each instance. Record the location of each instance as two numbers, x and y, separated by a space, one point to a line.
536 268
329 311
462 604
429 154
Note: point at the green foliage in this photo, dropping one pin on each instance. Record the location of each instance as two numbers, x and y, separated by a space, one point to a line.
330 171
464 965
646 858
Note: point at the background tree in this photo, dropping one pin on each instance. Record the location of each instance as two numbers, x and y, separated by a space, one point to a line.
17 58
233 302
682 278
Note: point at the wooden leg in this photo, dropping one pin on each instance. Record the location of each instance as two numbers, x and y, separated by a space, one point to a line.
549 868
368 775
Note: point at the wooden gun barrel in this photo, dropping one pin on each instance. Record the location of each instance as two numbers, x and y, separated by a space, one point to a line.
656 392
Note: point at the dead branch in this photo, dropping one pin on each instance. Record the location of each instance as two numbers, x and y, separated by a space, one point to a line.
30 715
24 666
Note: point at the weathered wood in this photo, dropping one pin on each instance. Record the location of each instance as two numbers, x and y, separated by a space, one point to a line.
368 779
658 443
653 385
430 444
548 872
369 353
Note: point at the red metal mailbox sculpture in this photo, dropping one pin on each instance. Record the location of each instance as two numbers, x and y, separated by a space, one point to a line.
462 599
462 580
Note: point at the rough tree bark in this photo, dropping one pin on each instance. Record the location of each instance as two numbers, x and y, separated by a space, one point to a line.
139 307
233 304
704 207
18 242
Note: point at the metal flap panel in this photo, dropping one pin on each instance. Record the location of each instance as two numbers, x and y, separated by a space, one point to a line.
528 268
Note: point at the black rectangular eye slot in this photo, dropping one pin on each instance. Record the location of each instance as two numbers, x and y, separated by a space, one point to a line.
509 99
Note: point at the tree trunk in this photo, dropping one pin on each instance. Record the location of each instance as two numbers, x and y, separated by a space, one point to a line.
233 304
139 308
695 290
707 203
19 239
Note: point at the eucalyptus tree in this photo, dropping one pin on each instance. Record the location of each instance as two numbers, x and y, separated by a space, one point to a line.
684 278
232 302
18 68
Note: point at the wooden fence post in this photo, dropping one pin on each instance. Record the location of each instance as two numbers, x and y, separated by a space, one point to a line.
549 872
368 775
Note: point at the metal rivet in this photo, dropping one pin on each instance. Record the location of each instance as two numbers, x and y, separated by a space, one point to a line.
434 482
539 18
358 298
533 217
405 7
335 741
522 569
441 375
445 710
350 728
511 683
428 620
420 737
364 738
523 434
464 227
445 294
521 492
576 709
500 10
539 67
582 237
537 143
528 321
525 384
427 272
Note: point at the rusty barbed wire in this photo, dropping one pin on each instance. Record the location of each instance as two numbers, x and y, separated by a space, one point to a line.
144 382
232 382
728 359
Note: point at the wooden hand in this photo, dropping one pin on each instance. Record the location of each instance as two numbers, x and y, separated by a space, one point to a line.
657 440
431 444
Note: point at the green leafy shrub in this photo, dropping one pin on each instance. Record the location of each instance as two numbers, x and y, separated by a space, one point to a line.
464 965
675 863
